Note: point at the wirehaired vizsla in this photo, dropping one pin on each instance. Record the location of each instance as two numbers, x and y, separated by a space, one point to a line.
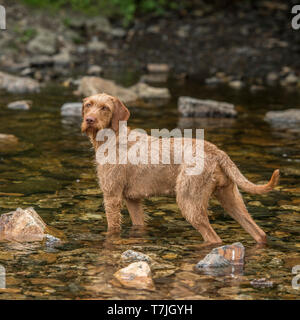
134 182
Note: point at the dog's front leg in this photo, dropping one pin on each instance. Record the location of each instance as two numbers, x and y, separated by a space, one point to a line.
136 212
113 205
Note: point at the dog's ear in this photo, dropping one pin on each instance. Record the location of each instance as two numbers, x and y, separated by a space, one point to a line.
120 113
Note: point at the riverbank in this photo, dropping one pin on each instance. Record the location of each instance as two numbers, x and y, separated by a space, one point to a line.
241 44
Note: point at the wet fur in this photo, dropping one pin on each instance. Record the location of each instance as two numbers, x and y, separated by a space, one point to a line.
133 183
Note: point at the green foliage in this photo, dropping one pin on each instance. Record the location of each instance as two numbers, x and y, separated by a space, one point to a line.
126 9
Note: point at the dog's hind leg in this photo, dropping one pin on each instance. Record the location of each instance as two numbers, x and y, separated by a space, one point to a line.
136 212
232 201
192 197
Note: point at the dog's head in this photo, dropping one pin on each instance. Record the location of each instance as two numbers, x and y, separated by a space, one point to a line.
102 111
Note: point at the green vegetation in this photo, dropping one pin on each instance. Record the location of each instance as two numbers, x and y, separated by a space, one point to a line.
125 9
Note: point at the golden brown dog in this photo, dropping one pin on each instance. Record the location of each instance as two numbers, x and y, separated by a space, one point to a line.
134 182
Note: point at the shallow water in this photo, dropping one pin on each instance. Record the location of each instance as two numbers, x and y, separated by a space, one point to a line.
51 169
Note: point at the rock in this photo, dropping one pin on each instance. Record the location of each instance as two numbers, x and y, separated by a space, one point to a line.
236 84
97 46
213 81
43 43
94 70
20 105
94 85
8 138
291 79
118 32
191 107
136 276
62 59
98 24
213 260
146 92
71 109
41 61
131 255
154 78
158 68
22 225
8 142
223 257
51 241
234 253
255 88
18 85
183 31
261 283
272 78
286 116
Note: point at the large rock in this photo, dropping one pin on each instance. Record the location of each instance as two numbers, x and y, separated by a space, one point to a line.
22 225
136 276
18 85
146 92
131 255
191 107
93 85
8 142
286 116
72 109
43 43
140 91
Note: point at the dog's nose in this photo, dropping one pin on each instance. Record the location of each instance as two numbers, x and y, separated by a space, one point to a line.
90 120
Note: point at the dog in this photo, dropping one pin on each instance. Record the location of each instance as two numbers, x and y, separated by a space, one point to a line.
134 182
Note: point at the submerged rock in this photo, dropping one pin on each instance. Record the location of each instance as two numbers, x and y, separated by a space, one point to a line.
22 225
20 105
131 255
191 107
286 116
71 109
136 276
8 139
15 84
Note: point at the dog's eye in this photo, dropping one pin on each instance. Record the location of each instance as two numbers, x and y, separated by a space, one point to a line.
88 105
104 108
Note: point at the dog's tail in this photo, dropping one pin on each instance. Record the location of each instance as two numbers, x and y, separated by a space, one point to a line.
232 171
